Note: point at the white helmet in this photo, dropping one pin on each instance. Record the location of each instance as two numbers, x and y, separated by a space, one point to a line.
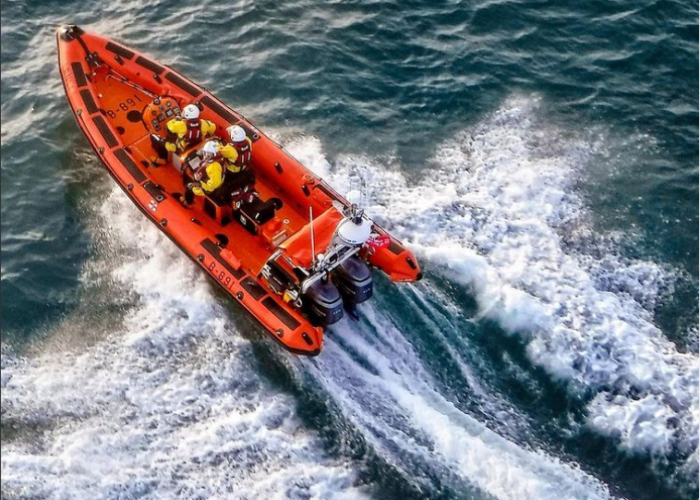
210 148
190 112
236 133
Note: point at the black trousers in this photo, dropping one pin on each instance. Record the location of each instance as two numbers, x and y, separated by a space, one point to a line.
234 182
189 195
222 194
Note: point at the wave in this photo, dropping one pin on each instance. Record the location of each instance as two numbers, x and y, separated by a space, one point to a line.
168 403
498 211
374 374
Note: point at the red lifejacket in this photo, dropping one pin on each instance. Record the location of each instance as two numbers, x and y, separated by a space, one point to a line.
194 131
245 153
201 170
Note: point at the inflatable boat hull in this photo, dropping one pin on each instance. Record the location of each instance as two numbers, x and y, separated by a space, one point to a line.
108 87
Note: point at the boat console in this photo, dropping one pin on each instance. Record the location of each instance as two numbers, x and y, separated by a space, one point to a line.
159 112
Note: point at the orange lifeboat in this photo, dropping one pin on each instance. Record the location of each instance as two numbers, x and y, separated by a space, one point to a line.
284 267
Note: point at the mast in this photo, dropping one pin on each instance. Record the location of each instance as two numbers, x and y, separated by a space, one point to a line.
311 226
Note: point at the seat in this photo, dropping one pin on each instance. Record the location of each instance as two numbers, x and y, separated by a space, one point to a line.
256 212
216 205
236 197
220 212
261 211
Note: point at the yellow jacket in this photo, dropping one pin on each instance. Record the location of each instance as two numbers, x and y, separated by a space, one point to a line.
215 174
177 129
230 154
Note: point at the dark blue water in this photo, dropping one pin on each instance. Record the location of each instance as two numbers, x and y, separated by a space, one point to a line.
542 159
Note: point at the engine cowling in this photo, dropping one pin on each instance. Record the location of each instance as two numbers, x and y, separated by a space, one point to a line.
354 280
324 302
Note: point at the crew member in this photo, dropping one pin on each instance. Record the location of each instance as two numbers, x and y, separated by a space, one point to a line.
208 177
187 130
237 156
239 152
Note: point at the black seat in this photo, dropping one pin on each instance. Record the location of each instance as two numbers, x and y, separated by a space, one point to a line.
236 182
261 211
253 214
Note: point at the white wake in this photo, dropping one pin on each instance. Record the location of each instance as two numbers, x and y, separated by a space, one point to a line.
168 405
497 210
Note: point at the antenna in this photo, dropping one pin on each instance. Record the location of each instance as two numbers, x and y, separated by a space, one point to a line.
358 183
363 188
311 225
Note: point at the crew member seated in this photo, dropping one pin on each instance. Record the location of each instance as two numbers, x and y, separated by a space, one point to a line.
239 152
188 130
240 180
237 156
207 177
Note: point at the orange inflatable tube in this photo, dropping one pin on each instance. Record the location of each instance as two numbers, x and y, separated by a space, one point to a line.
122 100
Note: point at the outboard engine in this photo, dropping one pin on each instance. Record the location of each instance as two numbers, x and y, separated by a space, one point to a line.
354 280
324 302
330 282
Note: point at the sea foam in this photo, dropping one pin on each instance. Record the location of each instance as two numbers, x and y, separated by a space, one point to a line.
165 404
498 211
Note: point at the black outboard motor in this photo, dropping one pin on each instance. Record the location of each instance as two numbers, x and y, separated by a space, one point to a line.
323 302
354 280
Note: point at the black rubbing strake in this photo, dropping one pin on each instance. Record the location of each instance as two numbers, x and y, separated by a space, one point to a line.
105 131
281 314
148 64
79 74
118 49
130 166
89 101
253 288
183 84
327 192
219 109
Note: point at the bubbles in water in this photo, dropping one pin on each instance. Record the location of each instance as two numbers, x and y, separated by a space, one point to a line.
167 405
498 212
